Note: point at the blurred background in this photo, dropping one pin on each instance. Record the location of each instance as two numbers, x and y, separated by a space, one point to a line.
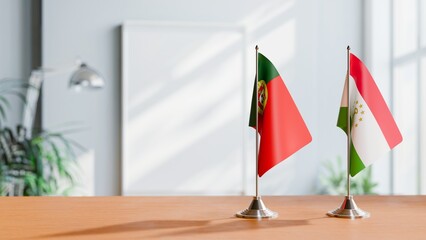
172 115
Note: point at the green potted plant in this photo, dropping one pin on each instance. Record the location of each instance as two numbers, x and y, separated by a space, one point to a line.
333 180
41 164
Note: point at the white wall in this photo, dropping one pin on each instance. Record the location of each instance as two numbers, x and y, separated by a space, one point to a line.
393 41
378 53
306 40
15 47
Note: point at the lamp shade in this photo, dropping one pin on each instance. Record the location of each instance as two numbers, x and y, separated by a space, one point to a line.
86 77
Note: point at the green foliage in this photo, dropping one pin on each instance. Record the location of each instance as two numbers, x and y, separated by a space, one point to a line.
35 166
334 180
43 164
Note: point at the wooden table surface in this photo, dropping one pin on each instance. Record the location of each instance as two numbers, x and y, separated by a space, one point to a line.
300 217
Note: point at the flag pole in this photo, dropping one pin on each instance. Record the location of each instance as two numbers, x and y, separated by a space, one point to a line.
257 208
257 122
348 209
348 129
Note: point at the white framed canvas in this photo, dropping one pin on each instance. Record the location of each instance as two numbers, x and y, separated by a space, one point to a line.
184 114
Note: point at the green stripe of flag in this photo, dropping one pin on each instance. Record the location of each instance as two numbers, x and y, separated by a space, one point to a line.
356 163
267 70
342 120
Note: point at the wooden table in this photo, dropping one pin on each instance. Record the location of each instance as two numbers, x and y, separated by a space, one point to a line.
300 217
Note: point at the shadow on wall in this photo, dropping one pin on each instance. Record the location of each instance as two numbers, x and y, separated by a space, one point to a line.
188 97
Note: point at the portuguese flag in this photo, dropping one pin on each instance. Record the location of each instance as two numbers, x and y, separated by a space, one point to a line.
281 127
373 129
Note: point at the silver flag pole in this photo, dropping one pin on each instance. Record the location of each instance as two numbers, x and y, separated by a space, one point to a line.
257 208
348 209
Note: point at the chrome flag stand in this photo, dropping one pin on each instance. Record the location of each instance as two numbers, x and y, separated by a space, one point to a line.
348 209
257 208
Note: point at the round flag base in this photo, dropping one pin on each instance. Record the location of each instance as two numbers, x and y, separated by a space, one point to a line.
257 209
349 209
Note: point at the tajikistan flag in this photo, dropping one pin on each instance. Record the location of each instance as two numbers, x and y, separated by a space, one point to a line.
373 129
